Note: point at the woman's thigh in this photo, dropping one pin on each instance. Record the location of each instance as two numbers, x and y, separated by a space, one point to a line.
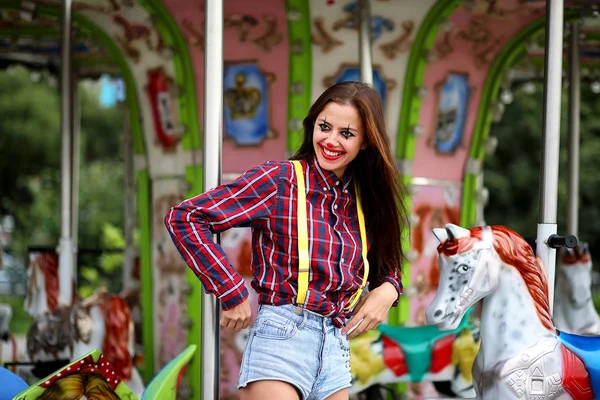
269 390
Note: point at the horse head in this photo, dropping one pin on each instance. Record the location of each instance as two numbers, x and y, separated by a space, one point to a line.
575 266
469 269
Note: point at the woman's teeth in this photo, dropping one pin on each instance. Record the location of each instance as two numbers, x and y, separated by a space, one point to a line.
332 153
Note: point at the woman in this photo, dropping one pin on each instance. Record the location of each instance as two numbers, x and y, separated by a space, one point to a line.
298 347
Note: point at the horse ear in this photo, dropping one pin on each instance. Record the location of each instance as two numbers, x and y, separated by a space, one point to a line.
456 232
440 234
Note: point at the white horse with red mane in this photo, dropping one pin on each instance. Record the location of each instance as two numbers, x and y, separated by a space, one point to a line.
522 355
574 309
102 321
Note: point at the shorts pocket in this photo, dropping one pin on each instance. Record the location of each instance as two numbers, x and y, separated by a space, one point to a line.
270 325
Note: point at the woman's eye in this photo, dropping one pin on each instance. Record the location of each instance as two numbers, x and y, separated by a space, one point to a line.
463 268
346 134
323 127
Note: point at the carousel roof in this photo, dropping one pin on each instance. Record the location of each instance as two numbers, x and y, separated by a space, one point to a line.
33 38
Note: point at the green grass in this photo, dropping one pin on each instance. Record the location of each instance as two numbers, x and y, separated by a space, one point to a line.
21 320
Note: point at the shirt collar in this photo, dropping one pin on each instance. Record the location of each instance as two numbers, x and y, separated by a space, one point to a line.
328 179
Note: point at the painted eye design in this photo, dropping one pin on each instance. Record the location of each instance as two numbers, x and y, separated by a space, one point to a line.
463 269
324 127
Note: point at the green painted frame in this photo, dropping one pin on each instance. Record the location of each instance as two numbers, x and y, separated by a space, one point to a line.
508 56
188 106
300 71
191 140
409 116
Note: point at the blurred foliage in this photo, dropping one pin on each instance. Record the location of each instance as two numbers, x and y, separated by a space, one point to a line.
512 174
30 171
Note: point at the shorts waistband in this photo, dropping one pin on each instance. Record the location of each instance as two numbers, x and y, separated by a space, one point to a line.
301 316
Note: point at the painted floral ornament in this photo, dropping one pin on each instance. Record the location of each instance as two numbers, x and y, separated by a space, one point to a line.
91 372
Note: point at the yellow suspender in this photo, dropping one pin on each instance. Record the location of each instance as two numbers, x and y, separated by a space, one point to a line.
303 241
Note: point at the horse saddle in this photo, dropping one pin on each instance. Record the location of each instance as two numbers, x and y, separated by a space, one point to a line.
421 346
587 348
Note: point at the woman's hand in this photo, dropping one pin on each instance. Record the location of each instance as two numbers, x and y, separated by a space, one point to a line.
238 317
371 310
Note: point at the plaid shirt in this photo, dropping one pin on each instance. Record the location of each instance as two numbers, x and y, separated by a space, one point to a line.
264 198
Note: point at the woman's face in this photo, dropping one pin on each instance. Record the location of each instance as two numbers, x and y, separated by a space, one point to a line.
338 136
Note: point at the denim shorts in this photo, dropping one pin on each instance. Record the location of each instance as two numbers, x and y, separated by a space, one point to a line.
305 350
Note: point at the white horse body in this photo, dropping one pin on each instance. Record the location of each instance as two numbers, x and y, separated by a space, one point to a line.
574 310
509 323
520 356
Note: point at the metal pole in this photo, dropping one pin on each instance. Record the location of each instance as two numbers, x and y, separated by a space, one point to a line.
129 200
213 134
76 163
574 101
364 41
551 139
65 246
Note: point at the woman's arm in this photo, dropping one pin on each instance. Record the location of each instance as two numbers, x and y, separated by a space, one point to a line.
192 224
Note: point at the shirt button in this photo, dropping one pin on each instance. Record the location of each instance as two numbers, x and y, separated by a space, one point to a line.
337 183
345 190
325 189
335 207
342 260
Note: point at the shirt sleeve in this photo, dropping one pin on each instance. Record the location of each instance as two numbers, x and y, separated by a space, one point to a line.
395 278
192 224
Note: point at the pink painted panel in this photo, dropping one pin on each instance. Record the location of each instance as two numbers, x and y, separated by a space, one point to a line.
433 207
190 16
468 45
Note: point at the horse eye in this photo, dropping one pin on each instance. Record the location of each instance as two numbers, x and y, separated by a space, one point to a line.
463 268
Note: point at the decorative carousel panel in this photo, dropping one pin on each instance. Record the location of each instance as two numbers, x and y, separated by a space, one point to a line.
150 77
466 46
433 206
247 109
237 244
255 76
394 26
89 376
453 102
350 72
169 282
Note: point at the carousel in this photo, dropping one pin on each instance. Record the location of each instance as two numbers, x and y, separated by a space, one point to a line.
209 89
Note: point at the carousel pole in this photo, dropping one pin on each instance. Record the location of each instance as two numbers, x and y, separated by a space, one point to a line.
65 246
76 162
129 207
550 141
364 41
213 137
574 102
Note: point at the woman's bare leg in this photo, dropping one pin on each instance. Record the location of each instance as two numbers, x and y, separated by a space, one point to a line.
270 390
340 395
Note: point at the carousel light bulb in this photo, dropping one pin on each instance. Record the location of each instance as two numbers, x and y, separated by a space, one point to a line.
595 87
506 96
529 88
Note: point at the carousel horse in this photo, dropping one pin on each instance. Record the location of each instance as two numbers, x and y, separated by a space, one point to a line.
522 355
392 354
574 310
92 376
61 333
101 321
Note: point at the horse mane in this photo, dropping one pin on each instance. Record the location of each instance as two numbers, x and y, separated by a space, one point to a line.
117 320
568 259
48 265
512 250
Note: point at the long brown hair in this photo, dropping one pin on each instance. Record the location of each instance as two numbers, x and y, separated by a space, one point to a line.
381 190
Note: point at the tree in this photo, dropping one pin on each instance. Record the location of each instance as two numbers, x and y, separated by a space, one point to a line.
512 174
